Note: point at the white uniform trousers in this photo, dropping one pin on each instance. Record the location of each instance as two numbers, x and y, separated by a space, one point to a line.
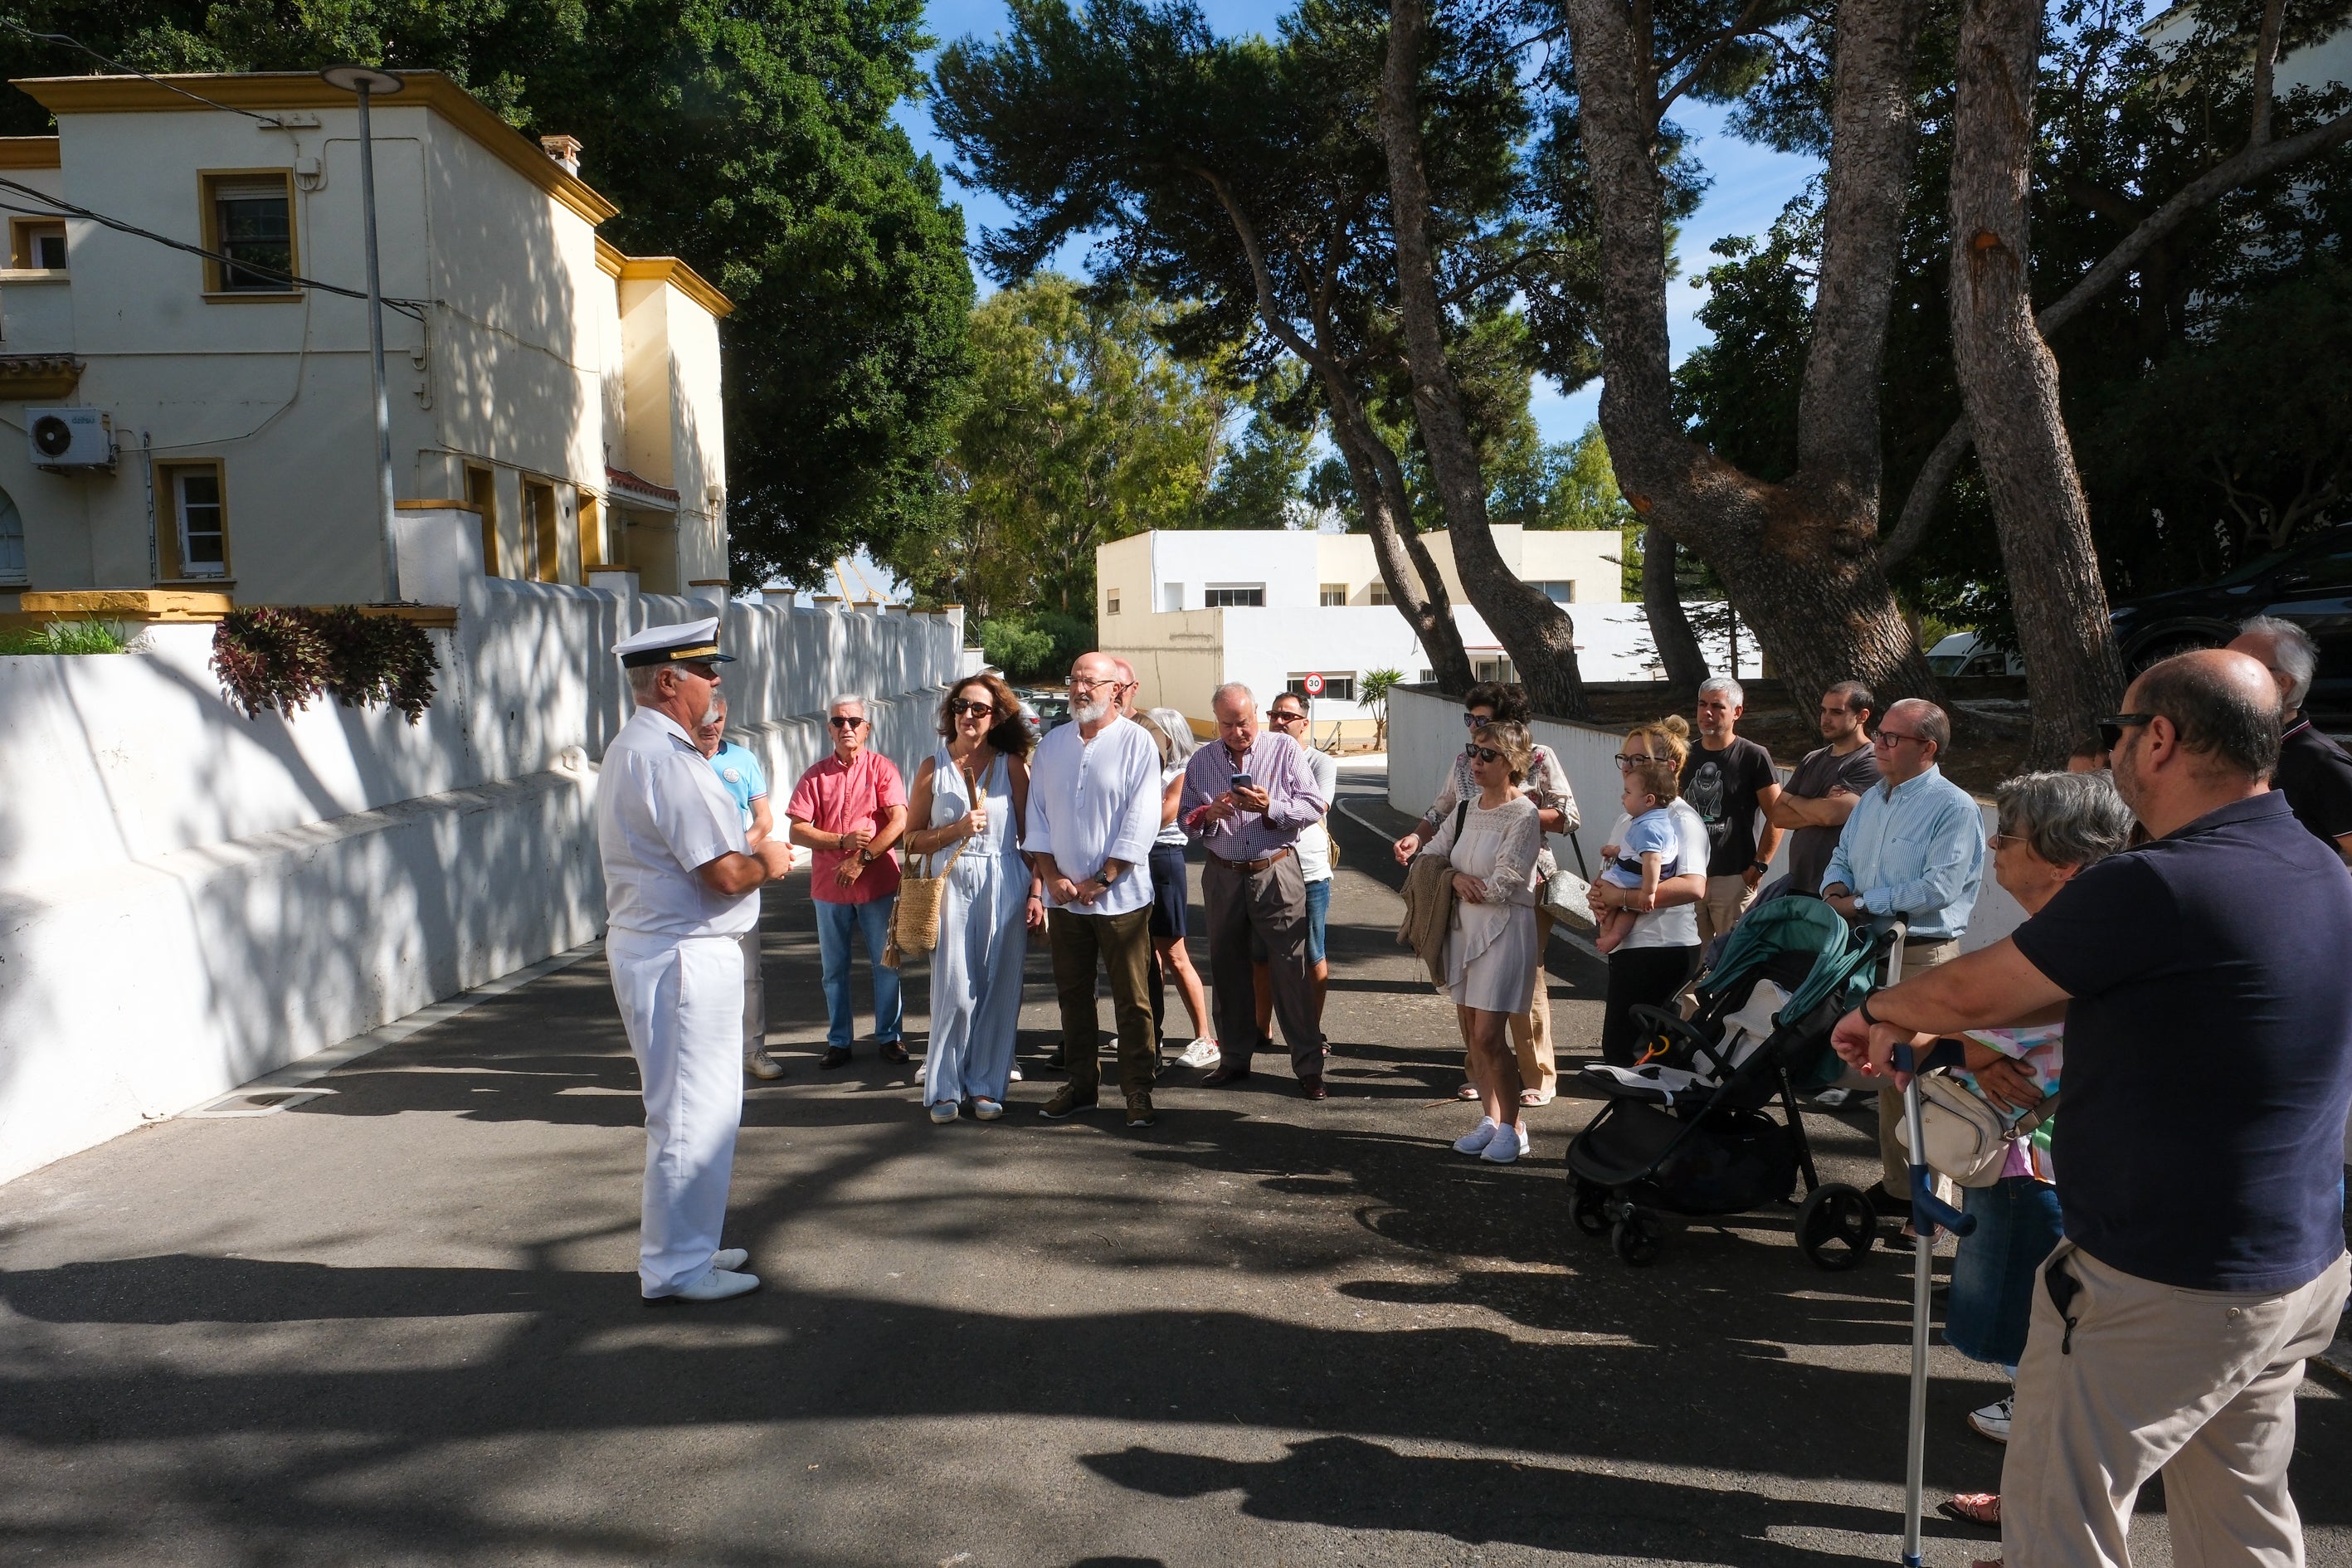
681 1001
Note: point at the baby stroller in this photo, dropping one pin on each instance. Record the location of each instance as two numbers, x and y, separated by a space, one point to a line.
1686 1131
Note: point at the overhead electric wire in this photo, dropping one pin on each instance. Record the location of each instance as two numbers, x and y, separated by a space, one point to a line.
69 41
413 309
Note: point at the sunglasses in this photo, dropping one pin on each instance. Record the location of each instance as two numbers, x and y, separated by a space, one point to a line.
842 721
1281 717
1472 720
2112 727
963 705
1484 753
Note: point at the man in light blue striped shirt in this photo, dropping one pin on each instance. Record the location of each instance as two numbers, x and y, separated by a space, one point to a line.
1913 847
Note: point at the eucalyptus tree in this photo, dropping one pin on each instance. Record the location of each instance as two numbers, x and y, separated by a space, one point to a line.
1238 174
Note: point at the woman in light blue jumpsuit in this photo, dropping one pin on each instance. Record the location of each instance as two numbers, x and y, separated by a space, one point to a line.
990 901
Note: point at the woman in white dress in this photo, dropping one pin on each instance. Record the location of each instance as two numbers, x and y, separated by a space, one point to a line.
1493 843
973 794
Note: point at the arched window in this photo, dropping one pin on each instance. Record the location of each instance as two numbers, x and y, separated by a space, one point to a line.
12 541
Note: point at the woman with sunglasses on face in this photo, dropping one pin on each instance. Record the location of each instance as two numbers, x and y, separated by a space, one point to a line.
973 794
1546 784
1653 960
1490 955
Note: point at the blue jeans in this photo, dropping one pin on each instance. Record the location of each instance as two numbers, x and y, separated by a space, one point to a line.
1992 1278
871 921
1318 912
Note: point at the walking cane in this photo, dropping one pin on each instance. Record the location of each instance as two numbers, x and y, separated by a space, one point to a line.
1928 1211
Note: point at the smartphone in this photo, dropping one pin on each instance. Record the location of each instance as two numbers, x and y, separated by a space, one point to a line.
1239 781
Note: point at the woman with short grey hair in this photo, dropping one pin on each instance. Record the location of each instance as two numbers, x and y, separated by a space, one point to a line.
2051 825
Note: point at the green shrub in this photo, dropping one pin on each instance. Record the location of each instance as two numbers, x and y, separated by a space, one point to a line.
66 637
268 657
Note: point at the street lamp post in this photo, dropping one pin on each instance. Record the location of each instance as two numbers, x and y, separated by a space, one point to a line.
366 81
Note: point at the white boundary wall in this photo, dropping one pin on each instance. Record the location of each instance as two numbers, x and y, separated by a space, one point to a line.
189 898
1425 731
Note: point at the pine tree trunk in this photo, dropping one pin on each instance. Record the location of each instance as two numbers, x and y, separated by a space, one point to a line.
1534 631
1670 627
2008 386
1414 586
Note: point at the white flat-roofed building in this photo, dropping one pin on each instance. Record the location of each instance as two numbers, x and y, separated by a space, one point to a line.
1192 610
564 394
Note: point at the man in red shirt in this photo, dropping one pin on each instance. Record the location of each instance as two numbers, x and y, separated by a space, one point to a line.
849 810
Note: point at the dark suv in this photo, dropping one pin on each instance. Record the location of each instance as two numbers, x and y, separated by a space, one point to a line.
2309 583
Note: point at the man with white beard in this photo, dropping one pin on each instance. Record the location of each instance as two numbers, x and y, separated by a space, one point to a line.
681 886
1094 810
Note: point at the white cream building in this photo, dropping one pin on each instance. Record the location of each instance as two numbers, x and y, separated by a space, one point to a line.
1192 610
566 395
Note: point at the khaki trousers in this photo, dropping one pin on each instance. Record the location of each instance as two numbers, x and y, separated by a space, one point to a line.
1894 1172
1727 899
1269 905
2197 1384
1531 1030
755 998
1121 945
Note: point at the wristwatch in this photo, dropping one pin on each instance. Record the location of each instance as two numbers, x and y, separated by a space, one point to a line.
865 857
1760 867
1866 1016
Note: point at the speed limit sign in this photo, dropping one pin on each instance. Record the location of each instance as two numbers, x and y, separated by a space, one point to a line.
1314 685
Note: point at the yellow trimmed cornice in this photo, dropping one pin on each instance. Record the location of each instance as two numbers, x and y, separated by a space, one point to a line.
609 258
28 153
266 91
670 270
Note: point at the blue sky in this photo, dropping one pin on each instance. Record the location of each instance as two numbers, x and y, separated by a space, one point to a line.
1751 185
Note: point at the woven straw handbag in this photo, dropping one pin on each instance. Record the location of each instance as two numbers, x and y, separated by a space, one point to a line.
915 923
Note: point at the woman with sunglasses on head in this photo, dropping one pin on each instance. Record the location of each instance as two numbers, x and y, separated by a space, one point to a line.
1649 965
972 795
1493 842
1546 786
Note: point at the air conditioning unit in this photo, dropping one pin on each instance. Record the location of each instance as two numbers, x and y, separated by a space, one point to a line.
66 440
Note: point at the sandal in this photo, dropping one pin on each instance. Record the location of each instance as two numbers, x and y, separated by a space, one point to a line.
1467 1091
1981 1509
1534 1097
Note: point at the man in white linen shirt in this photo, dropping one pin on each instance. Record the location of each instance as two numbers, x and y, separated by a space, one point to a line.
1094 810
680 887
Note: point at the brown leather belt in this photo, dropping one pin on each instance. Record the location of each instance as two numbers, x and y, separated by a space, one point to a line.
1247 867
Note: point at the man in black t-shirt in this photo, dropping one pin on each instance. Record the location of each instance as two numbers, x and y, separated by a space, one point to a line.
2207 1075
1727 781
2313 772
1820 795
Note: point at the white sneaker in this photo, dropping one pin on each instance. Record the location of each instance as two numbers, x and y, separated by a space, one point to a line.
1503 1148
729 1257
986 1109
921 1072
716 1286
1992 1421
945 1111
1477 1138
1016 1074
763 1066
1200 1053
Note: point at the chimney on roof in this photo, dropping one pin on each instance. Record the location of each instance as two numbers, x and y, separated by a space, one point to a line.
564 150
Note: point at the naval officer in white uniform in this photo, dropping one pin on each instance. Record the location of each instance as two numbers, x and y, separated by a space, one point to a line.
680 888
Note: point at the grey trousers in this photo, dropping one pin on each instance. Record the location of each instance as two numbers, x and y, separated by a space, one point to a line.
1271 906
755 998
2197 1384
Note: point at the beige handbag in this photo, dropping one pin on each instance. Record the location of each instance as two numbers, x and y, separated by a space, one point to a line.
915 923
1967 1138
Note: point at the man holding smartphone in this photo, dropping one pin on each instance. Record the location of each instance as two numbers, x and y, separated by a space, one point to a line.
1245 801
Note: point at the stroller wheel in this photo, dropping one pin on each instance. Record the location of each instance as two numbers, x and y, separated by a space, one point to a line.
1637 1239
1590 1207
1836 1227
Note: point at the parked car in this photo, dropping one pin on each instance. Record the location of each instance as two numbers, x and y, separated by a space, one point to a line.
2309 583
1965 653
1048 709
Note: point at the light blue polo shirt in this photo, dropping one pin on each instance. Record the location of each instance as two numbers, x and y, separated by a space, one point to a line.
739 770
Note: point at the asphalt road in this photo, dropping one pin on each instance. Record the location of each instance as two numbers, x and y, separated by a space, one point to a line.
397 1325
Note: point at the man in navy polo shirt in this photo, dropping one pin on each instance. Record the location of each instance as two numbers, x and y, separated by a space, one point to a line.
2208 1071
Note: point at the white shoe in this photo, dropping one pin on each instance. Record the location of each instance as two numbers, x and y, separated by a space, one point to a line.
716 1286
1503 1148
1016 1075
1992 1421
1477 1138
986 1109
945 1111
1200 1053
921 1072
763 1066
729 1257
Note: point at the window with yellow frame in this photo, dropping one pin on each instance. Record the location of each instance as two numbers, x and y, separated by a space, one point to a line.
249 226
191 522
37 245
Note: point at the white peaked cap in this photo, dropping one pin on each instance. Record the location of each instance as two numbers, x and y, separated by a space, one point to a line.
686 642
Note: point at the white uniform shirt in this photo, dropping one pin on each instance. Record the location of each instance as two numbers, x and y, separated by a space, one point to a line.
1314 844
660 813
1092 801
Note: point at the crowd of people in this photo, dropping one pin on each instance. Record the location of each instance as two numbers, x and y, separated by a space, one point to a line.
2177 979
